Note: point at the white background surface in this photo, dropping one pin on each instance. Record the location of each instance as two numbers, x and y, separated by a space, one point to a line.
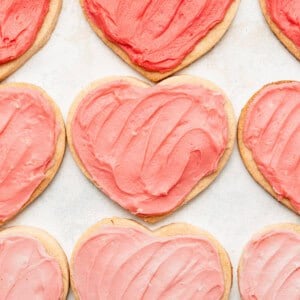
234 207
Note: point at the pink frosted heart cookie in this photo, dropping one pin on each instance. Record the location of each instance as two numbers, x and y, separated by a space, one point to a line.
269 140
32 144
151 149
120 259
158 38
32 265
283 17
270 264
25 26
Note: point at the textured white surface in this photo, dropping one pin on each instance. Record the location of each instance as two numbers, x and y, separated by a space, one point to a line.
234 206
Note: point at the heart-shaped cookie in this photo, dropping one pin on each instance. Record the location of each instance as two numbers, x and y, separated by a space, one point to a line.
121 259
270 264
32 144
25 26
269 140
32 265
151 149
158 38
283 17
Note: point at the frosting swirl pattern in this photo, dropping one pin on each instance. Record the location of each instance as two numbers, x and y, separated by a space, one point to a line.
156 35
20 22
28 137
270 267
126 263
27 271
272 133
147 148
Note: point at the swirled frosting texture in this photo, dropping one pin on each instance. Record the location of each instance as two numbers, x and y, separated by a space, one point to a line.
156 35
286 15
27 271
126 263
270 267
272 133
20 22
146 148
28 137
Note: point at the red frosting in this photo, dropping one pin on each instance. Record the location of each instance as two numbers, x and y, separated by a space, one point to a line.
148 147
286 15
20 22
157 35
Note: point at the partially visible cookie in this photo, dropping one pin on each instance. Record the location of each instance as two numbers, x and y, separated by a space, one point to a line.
26 26
283 17
269 140
270 264
151 149
32 143
32 265
120 259
159 38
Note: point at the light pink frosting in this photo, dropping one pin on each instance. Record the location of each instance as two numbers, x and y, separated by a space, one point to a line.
20 22
28 136
156 35
270 267
27 271
272 133
286 15
126 263
146 148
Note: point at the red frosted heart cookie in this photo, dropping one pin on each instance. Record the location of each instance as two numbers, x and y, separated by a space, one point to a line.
151 149
283 16
269 140
32 143
270 264
120 259
25 26
32 265
158 38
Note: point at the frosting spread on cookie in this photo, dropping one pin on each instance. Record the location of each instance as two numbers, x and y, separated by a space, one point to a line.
20 22
147 148
28 136
272 133
270 267
286 15
27 271
127 263
156 35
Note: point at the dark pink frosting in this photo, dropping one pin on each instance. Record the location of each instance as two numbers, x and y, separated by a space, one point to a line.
20 22
286 15
157 35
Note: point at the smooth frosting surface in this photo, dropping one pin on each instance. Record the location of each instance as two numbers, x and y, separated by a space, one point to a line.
28 137
126 263
270 267
156 35
27 271
272 133
20 22
146 148
286 15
